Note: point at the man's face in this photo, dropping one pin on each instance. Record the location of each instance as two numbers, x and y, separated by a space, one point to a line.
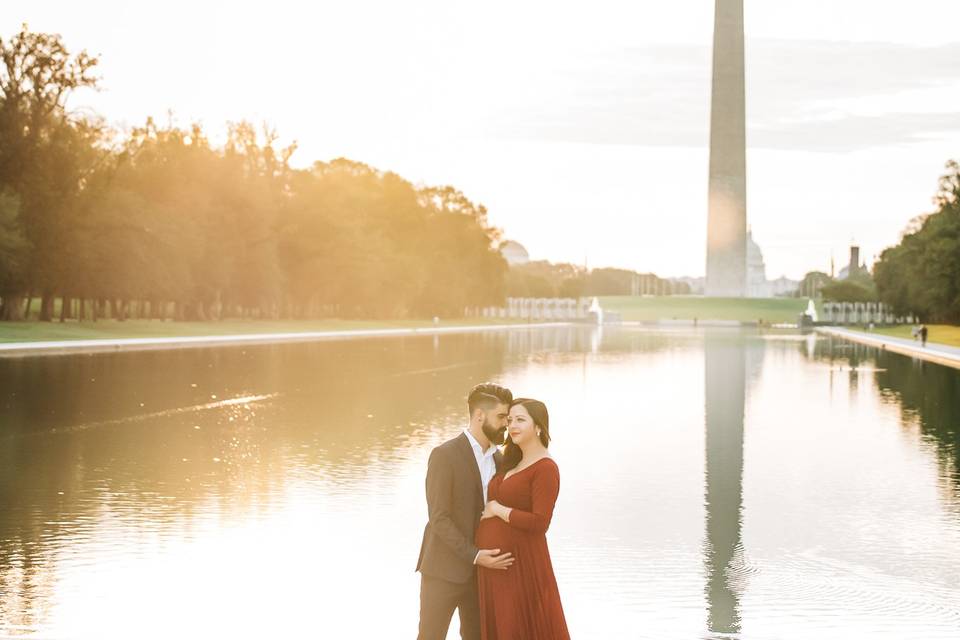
495 423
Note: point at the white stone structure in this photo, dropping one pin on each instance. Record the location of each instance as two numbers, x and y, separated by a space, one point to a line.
783 286
538 309
861 313
757 284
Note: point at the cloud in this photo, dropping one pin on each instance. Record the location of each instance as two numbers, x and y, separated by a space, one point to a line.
852 133
811 73
801 94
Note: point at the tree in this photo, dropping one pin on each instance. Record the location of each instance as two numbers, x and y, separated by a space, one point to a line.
812 284
40 158
161 218
848 291
921 275
542 279
13 249
464 267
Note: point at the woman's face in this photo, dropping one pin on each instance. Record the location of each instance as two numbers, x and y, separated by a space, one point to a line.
521 427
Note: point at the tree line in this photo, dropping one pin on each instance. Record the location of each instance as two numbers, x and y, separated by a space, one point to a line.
921 275
543 279
158 222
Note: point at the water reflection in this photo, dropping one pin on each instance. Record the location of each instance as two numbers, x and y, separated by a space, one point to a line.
726 371
810 491
926 395
930 395
141 445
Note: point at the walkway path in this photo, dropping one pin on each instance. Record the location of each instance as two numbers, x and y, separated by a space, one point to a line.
60 347
939 353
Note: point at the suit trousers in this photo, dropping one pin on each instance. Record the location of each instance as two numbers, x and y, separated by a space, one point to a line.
438 599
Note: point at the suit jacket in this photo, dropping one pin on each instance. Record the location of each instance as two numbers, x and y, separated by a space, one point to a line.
454 505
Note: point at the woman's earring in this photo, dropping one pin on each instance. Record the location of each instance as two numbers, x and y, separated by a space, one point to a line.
538 433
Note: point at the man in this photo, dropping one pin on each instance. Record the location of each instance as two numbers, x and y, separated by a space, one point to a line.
458 473
923 336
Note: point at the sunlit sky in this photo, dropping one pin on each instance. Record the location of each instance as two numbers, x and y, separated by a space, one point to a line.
583 127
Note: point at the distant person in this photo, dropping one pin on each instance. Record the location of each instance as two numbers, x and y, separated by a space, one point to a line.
458 474
915 332
523 602
923 335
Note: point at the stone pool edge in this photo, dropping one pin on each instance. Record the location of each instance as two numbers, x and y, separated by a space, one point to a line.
940 354
114 345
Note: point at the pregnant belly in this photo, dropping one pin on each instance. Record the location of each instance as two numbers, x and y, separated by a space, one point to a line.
494 533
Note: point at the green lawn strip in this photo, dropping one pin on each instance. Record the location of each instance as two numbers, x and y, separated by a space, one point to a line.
112 329
631 308
937 333
641 308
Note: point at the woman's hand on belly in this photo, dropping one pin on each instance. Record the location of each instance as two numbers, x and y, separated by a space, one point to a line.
493 533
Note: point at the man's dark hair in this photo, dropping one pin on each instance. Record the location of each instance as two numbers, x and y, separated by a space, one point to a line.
488 395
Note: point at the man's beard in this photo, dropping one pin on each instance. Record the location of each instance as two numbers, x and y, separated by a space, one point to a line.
494 435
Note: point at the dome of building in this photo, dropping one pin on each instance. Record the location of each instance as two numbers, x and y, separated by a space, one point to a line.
757 286
754 255
514 252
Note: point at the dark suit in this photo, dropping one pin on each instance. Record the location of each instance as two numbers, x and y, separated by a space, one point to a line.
448 575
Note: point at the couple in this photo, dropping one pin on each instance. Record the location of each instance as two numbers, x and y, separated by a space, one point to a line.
484 548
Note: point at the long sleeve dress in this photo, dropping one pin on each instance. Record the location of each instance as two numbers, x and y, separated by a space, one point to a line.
523 602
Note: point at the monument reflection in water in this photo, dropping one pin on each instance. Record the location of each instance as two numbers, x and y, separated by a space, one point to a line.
725 367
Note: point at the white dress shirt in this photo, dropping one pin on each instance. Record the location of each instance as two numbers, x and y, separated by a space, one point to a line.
485 462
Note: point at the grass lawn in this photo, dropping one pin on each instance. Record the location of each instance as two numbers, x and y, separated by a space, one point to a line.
108 329
938 333
643 308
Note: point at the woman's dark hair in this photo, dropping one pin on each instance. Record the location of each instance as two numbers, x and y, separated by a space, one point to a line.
512 455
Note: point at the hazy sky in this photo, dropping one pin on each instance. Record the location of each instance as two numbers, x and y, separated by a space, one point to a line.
583 127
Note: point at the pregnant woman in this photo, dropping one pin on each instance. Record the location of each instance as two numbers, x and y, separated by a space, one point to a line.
523 602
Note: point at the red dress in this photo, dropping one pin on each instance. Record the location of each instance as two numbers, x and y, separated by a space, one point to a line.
523 602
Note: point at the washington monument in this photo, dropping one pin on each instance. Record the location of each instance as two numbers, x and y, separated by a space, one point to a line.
727 208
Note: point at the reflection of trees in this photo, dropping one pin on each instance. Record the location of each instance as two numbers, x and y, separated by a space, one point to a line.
844 356
643 340
614 339
930 392
31 512
926 393
90 437
373 395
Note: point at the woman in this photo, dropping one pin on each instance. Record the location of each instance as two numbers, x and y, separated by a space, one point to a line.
522 603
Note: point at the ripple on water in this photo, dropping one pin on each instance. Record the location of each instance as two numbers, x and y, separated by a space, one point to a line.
829 596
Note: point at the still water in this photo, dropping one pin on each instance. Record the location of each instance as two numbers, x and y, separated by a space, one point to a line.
713 484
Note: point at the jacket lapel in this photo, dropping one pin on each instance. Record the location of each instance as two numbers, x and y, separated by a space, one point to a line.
470 461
